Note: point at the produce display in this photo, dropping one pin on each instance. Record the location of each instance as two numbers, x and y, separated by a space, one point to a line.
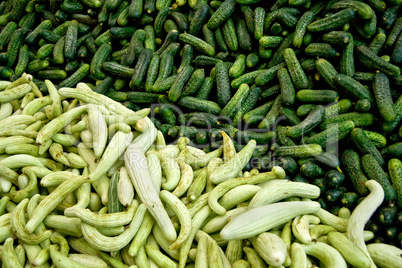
155 133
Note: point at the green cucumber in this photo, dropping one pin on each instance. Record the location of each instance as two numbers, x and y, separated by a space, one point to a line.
194 83
323 50
347 62
6 33
141 67
152 72
326 71
198 20
395 173
259 17
299 78
337 108
337 38
301 28
99 58
187 54
368 58
382 93
257 114
283 139
206 87
14 46
117 69
290 116
263 77
22 62
333 21
70 45
222 84
229 35
221 14
365 145
312 120
234 104
247 104
359 119
287 90
351 163
76 77
317 96
332 134
374 171
165 84
259 137
252 59
52 74
394 150
177 87
352 88
378 140
243 35
270 118
200 105
362 9
199 120
142 97
197 43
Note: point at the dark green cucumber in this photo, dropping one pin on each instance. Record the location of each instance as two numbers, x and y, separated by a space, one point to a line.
377 43
177 87
6 33
287 90
352 88
259 17
393 150
334 178
114 204
199 120
23 58
165 66
283 139
200 105
325 158
198 20
368 58
252 59
197 43
351 164
239 66
187 54
141 67
271 91
374 171
326 71
52 74
317 96
270 118
222 84
160 19
171 38
152 72
99 58
234 104
299 78
290 116
365 145
332 134
248 14
323 50
277 57
165 84
247 104
304 109
311 121
333 21
347 62
70 45
395 173
33 36
259 137
263 77
257 114
205 89
362 106
221 14
229 35
142 97
382 93
362 9
301 28
180 19
311 170
359 119
76 77
194 83
243 35
337 108
104 86
117 69
14 46
337 38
